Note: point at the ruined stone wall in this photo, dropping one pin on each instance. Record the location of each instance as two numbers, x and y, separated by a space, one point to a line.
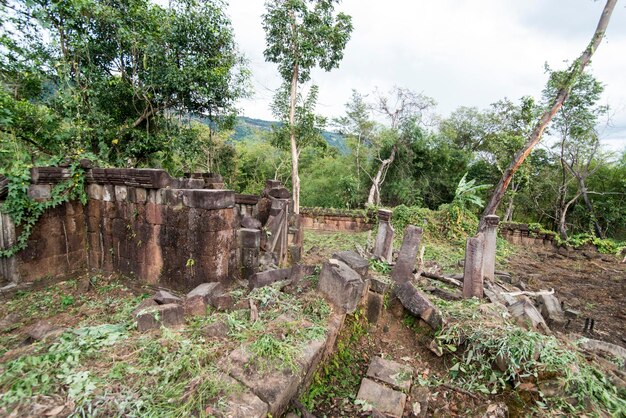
177 238
521 234
321 220
176 233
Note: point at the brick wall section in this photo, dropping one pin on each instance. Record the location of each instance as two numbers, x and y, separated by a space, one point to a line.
521 234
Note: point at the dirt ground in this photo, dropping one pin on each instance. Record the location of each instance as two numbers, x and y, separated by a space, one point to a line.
585 281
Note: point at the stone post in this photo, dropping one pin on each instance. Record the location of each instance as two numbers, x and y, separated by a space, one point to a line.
405 264
383 248
8 267
250 240
473 274
489 254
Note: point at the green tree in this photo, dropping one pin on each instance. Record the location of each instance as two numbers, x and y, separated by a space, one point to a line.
116 78
301 35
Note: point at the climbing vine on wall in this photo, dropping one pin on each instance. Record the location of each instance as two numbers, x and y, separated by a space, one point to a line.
25 212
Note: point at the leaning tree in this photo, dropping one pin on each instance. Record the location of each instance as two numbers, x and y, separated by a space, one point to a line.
573 74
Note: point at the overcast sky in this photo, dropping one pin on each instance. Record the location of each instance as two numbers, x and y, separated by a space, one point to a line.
460 52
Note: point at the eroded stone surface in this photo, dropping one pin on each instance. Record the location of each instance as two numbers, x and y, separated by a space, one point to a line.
354 261
407 257
418 304
388 401
374 307
242 403
163 297
169 315
391 372
206 291
341 285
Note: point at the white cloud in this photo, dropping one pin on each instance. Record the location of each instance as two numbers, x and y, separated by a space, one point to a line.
460 52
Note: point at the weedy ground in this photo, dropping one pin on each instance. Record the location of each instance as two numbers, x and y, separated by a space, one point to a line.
486 358
102 366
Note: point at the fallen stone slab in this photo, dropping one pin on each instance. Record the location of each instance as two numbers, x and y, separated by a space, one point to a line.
42 330
393 373
528 316
418 304
341 285
354 261
275 387
551 309
407 257
206 291
163 297
597 346
387 401
168 315
265 278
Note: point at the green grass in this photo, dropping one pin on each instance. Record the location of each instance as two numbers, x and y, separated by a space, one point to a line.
340 376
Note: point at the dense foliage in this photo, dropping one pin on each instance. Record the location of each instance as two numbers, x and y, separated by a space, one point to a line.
120 79
134 83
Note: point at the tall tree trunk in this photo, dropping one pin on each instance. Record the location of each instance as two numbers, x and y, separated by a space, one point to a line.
575 70
583 191
508 216
563 216
377 181
295 178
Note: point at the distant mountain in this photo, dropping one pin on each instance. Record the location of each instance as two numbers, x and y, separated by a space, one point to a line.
246 127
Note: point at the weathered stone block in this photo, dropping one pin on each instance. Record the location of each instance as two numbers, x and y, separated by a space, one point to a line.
146 303
405 264
108 193
264 278
169 315
121 193
206 292
250 238
195 306
387 401
208 199
95 191
418 304
341 285
276 387
242 403
551 309
395 374
379 285
374 307
249 222
39 191
528 316
354 261
163 297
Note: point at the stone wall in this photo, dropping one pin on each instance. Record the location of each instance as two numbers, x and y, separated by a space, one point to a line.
521 234
326 220
142 223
